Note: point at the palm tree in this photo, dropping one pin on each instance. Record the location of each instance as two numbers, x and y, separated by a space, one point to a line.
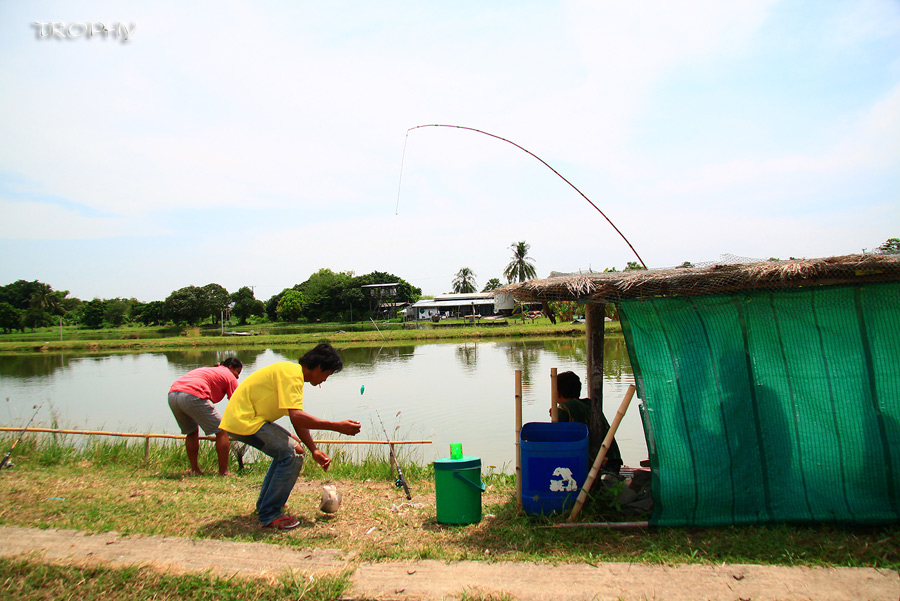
492 284
520 268
464 281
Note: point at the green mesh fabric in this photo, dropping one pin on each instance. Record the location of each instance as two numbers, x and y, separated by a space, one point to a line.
771 406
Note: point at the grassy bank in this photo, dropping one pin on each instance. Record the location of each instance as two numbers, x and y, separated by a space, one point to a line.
269 335
107 486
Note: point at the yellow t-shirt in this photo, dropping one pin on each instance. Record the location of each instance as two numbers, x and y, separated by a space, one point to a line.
264 396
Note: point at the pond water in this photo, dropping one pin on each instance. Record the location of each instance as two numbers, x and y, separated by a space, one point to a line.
447 392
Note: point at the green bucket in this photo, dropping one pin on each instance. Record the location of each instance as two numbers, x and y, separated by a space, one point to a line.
458 489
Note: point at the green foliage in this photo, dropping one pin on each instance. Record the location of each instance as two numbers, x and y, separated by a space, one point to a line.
185 305
464 281
245 305
332 296
116 311
216 299
890 246
492 284
634 266
10 318
91 314
324 293
149 314
37 302
563 310
192 304
520 268
290 307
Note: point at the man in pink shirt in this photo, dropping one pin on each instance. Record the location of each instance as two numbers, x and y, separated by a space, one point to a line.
191 400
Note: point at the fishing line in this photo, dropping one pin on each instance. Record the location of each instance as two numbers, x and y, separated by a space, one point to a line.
400 182
546 164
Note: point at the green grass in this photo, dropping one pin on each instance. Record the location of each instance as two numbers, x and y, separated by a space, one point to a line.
135 338
27 579
105 485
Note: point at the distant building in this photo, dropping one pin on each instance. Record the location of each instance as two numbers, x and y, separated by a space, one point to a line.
382 298
460 305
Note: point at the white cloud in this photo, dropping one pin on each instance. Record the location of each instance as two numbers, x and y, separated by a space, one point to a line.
273 135
44 221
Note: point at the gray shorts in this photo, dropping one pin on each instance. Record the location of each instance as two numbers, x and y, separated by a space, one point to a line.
191 412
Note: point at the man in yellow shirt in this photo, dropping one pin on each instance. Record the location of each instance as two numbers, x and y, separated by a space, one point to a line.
273 392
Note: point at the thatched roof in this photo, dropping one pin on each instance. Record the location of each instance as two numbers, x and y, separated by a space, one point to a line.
711 278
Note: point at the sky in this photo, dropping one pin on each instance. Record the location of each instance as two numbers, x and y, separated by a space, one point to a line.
252 144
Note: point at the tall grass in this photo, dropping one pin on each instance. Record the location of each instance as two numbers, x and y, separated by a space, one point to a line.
352 462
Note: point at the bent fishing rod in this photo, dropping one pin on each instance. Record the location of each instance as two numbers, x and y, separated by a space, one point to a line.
545 163
401 481
5 460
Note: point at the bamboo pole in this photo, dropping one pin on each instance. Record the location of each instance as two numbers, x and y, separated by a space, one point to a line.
611 525
181 436
554 397
598 462
518 431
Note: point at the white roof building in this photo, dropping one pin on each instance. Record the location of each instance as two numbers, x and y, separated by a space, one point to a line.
481 303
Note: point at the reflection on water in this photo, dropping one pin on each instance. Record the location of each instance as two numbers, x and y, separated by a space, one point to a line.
450 392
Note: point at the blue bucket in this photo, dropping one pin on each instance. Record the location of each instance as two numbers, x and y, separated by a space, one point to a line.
554 465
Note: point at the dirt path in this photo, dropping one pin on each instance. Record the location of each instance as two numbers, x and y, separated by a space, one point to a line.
433 580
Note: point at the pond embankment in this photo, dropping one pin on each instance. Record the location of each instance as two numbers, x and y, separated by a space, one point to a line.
50 340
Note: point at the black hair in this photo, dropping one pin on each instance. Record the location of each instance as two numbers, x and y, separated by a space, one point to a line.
568 385
232 362
323 356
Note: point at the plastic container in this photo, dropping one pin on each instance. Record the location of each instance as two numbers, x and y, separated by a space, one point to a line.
554 465
458 489
456 450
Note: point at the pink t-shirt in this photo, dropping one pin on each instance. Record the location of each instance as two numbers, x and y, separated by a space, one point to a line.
210 383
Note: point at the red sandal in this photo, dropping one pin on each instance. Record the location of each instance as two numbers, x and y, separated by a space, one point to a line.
283 522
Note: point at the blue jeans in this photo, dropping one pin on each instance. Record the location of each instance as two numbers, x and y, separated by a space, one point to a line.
276 442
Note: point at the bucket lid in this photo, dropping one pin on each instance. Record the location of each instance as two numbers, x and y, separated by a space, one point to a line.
465 462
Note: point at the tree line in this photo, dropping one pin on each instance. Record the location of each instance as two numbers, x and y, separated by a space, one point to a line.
325 296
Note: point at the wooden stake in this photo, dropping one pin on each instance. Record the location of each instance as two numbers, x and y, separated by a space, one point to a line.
518 431
604 449
554 397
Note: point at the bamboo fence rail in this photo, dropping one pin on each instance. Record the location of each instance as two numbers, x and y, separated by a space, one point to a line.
148 436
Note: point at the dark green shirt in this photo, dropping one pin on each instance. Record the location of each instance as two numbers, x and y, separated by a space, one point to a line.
579 410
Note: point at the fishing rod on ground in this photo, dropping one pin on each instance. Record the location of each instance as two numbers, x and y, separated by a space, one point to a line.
401 480
5 462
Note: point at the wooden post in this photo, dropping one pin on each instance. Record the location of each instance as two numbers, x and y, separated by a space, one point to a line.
554 397
518 431
604 448
146 447
595 325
